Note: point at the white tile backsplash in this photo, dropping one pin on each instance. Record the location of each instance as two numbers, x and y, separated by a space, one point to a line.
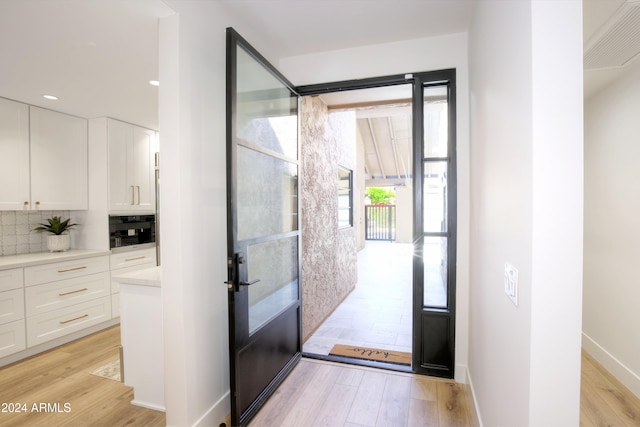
16 235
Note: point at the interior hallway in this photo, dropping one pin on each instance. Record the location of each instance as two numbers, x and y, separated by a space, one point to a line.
378 312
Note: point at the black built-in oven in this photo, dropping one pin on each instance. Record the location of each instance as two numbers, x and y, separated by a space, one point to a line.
130 232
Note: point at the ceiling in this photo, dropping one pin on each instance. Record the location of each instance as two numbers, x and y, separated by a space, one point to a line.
98 55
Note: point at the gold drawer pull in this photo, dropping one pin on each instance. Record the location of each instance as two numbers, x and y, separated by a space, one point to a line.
72 269
73 292
75 318
135 258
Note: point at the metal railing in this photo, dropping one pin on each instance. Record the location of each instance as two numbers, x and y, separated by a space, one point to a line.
380 222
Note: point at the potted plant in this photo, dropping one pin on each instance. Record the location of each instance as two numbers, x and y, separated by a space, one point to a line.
59 240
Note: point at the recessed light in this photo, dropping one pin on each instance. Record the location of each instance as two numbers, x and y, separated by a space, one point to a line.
50 97
154 83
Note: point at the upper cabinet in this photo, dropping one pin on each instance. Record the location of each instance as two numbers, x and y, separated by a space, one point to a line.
131 168
58 161
43 159
14 155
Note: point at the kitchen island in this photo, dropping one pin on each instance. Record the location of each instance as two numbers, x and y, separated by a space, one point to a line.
142 336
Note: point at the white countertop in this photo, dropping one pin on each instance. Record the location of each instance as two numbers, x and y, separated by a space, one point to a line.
26 260
146 277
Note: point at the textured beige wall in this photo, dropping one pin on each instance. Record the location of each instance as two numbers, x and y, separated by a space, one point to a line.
329 254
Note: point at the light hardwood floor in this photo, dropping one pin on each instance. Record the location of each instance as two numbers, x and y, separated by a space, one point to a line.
321 393
604 401
62 376
316 393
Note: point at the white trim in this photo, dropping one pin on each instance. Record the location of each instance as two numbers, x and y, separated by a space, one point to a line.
474 402
217 413
625 375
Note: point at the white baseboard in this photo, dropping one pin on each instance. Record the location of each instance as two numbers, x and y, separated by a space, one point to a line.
460 374
626 376
474 402
216 413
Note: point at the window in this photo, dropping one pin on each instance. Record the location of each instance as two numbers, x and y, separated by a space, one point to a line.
345 198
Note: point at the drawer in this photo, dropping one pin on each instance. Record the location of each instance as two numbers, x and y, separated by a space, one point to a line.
10 279
133 258
115 285
65 270
11 306
12 338
64 293
115 305
55 324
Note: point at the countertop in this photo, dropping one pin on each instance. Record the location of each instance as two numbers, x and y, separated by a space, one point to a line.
26 260
146 277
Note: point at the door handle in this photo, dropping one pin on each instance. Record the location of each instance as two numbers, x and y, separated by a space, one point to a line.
233 281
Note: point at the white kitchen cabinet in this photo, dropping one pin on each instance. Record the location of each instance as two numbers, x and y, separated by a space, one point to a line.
59 175
126 262
12 329
14 155
131 167
65 297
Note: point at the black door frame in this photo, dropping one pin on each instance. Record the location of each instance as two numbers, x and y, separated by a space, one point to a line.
433 327
281 353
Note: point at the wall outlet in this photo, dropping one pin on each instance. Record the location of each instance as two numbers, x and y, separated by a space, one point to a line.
511 283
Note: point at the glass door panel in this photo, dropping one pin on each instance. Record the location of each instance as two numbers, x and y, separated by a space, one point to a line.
277 286
263 231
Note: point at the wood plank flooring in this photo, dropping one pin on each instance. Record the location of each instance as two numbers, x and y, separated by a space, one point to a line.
316 393
604 401
60 380
321 393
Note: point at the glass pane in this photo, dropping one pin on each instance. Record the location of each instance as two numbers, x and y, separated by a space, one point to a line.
436 126
267 111
267 195
435 197
435 271
275 264
344 198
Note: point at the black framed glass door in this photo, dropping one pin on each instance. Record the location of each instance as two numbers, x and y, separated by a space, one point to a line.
263 232
434 212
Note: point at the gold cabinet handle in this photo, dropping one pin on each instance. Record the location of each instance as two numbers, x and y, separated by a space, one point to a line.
73 292
26 203
37 203
72 269
75 318
132 195
135 258
138 187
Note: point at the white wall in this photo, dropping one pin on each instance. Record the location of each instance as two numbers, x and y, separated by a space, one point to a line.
193 225
426 54
612 237
526 159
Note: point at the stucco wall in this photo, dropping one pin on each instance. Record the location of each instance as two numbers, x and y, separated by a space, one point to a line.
329 254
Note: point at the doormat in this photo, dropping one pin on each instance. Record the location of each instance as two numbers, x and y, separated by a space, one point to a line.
375 354
111 371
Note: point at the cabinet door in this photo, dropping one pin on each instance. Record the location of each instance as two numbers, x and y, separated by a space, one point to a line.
131 168
120 142
14 155
59 174
143 168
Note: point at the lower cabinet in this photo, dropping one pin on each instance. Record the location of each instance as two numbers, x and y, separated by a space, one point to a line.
57 323
65 297
12 338
126 262
12 329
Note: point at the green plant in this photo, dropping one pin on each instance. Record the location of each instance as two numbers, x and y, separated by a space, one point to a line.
56 225
379 195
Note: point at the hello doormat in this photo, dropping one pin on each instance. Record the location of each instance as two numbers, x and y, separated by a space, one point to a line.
375 354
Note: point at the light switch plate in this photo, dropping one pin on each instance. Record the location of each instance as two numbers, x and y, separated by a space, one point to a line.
511 283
